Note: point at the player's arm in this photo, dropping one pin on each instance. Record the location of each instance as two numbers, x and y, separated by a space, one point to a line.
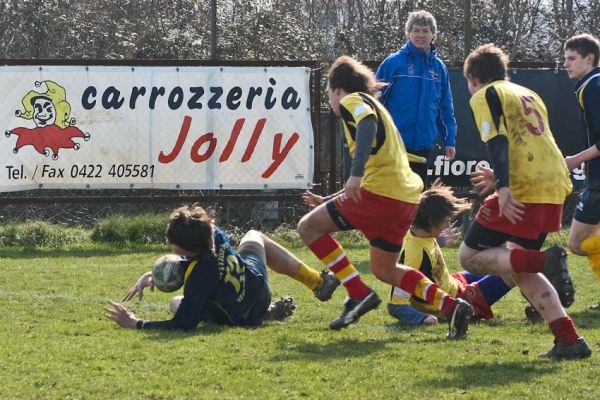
188 315
366 130
143 282
497 147
198 286
383 75
313 199
447 118
591 103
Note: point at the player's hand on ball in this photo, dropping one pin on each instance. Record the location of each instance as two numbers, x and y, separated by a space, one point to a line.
312 199
144 281
122 316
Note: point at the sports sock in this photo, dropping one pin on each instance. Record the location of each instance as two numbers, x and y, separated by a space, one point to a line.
527 261
594 260
331 253
563 330
590 245
308 276
493 288
419 285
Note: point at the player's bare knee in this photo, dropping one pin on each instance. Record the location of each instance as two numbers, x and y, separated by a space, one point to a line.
465 256
575 246
174 304
304 227
385 273
252 236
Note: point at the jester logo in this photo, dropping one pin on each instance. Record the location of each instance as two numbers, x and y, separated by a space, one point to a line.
54 129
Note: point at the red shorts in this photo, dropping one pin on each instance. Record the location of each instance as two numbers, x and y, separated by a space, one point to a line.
538 219
384 221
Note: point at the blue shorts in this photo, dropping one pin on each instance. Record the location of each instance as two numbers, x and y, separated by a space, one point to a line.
587 210
255 264
259 288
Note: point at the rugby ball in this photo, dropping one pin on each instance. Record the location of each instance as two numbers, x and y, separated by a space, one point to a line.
168 273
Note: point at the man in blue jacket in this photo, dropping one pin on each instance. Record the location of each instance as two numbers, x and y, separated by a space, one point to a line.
418 94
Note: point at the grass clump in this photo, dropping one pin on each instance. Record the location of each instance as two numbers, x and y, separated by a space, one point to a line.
143 229
40 234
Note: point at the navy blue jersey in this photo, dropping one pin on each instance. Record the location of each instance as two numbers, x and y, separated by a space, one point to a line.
222 287
588 93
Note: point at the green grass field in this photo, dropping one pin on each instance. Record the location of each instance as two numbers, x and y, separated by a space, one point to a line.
56 344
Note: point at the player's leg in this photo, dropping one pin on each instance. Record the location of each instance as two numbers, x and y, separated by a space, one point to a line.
584 234
483 291
252 250
481 254
282 261
315 229
540 293
174 304
400 308
584 240
385 267
527 276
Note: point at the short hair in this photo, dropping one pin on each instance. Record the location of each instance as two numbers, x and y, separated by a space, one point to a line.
420 17
191 228
584 44
436 204
353 76
488 63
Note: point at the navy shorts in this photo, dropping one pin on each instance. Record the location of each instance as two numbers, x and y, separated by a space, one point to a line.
587 210
480 238
258 286
256 265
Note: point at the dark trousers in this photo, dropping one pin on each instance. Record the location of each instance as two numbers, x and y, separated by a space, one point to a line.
420 168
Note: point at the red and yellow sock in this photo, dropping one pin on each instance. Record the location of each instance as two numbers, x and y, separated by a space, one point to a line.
329 251
527 261
419 285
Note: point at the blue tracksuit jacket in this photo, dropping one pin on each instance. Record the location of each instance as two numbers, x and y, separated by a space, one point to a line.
419 97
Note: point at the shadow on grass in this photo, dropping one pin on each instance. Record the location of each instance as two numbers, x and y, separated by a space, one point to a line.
586 318
163 335
344 348
489 374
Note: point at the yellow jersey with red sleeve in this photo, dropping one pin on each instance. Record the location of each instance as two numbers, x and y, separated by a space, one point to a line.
537 169
425 255
387 172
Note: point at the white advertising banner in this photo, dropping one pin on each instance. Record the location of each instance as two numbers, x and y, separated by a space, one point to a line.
190 127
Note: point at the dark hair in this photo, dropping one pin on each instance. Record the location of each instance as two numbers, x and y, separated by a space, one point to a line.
191 228
436 204
584 44
488 63
353 76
